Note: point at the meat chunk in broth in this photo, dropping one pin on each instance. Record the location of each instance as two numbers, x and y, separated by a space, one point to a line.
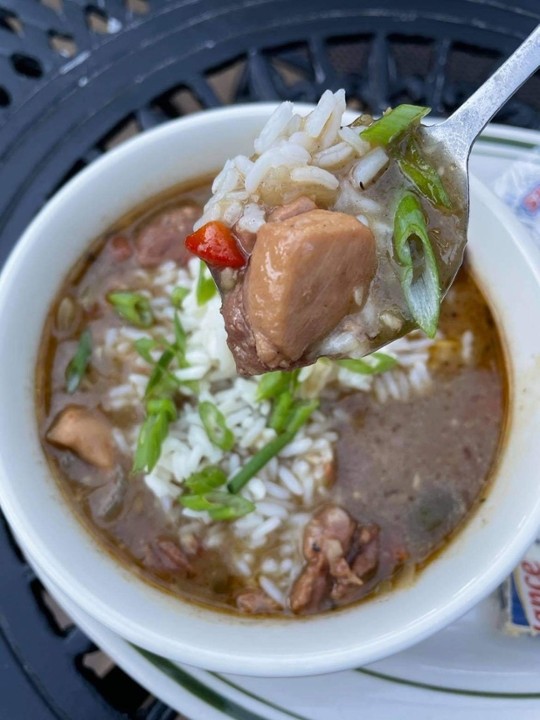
296 207
87 433
340 555
255 601
316 259
162 238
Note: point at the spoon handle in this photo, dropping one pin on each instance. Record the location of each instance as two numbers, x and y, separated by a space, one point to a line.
467 122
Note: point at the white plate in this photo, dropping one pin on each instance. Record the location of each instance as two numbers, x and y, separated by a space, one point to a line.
468 671
379 689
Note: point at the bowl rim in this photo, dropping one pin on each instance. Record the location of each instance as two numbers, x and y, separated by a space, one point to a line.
300 664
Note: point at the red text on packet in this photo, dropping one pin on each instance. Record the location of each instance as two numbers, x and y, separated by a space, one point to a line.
531 201
531 579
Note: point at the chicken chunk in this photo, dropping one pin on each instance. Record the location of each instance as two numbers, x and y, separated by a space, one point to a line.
162 237
165 555
340 556
301 282
296 207
255 601
85 432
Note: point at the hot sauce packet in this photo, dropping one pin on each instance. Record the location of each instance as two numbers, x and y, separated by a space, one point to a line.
521 595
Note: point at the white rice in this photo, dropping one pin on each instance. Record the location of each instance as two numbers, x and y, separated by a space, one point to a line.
305 151
288 489
366 170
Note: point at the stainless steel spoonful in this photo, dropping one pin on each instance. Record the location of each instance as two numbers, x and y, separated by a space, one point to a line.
456 135
404 298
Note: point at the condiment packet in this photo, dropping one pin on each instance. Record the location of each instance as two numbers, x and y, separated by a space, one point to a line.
519 188
521 595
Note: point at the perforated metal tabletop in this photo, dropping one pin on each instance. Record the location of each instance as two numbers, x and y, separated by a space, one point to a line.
78 77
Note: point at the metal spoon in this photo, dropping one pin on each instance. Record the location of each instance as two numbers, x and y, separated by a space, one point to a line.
453 140
456 135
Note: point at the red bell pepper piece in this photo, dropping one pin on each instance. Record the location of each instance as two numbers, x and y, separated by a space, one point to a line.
215 244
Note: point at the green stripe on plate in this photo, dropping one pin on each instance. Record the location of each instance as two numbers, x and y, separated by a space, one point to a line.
524 144
448 690
198 689
289 713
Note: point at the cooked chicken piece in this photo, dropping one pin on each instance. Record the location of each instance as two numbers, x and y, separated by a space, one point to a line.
302 279
164 554
256 601
340 555
85 432
162 237
310 589
296 207
120 248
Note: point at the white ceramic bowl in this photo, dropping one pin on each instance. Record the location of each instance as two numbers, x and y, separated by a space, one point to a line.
473 564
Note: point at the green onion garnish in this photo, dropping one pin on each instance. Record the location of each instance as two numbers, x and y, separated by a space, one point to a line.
132 307
272 384
373 364
280 411
180 340
157 406
78 364
160 377
144 346
300 416
423 176
210 478
153 432
419 274
206 287
391 126
219 504
215 425
178 295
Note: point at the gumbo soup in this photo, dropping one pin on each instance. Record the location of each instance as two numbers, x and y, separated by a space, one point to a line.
289 493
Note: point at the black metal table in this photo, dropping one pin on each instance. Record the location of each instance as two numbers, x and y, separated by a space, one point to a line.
78 76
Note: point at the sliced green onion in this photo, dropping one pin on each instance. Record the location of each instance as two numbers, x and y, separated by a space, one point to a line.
160 376
144 346
78 365
274 383
205 480
195 502
180 338
153 432
419 274
423 176
281 411
227 506
132 307
220 504
178 295
165 405
300 415
393 124
265 454
215 425
206 287
373 364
